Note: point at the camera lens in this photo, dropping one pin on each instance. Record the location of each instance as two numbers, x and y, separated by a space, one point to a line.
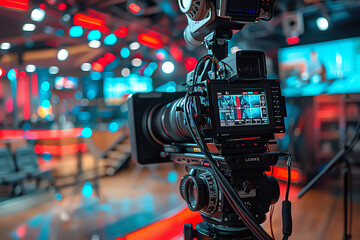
245 69
193 190
192 194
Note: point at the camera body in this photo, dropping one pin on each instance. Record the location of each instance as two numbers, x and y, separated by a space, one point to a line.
240 105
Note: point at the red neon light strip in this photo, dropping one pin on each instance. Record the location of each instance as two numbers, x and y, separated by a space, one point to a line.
250 138
168 228
21 5
60 150
41 134
150 41
1 88
34 85
90 22
27 102
282 174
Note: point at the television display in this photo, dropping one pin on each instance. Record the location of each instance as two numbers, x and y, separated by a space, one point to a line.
331 67
66 83
116 89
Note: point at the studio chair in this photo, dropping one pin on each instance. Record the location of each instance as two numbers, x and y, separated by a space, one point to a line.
27 162
8 174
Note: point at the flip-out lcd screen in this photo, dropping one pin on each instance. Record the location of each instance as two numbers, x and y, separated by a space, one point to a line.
243 107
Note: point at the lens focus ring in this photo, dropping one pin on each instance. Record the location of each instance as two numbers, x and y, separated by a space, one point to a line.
193 190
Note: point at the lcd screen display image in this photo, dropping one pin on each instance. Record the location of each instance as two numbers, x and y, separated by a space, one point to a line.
242 108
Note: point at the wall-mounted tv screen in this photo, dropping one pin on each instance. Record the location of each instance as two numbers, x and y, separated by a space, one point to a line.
331 67
66 83
116 89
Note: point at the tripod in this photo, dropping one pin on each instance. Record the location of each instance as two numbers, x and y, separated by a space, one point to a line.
207 231
347 186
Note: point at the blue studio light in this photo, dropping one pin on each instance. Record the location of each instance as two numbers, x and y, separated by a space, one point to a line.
76 31
86 132
78 95
45 86
87 189
12 74
113 127
45 103
47 156
94 35
58 196
172 176
59 32
148 71
125 52
153 65
95 76
110 39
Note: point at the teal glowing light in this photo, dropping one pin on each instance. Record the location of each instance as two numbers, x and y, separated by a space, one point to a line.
148 71
153 65
59 32
78 95
95 76
94 35
86 132
12 74
76 31
91 94
47 156
113 127
125 52
45 104
87 189
110 39
45 86
172 176
58 196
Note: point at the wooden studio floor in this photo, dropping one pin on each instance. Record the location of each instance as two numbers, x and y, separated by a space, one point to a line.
128 202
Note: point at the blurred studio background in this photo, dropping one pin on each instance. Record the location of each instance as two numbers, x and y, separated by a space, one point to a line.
67 68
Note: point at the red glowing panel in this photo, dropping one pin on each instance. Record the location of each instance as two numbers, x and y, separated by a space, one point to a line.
21 5
42 6
282 174
97 67
60 149
2 72
9 105
62 6
168 228
150 41
109 57
121 32
102 61
41 134
90 22
34 85
177 53
27 102
138 55
190 63
293 40
22 74
134 8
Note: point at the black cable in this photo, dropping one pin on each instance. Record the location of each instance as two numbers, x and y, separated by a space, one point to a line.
351 200
286 205
229 192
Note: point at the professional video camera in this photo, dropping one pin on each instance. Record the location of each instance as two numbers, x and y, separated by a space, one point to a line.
220 128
